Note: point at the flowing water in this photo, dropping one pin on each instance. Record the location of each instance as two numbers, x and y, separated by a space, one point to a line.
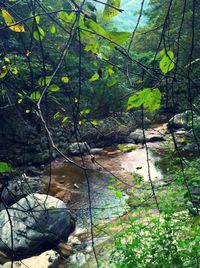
104 201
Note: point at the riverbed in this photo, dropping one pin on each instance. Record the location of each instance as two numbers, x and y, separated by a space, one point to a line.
103 189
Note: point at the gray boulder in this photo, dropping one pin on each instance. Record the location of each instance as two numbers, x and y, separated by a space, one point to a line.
150 135
112 129
19 188
96 150
184 120
78 148
39 222
153 136
136 136
180 120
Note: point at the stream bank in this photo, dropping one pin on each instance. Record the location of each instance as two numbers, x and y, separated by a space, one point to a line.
68 183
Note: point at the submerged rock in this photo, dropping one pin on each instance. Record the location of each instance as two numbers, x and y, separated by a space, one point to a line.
39 222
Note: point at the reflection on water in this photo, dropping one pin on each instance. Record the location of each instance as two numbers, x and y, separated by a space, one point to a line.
136 161
72 184
102 202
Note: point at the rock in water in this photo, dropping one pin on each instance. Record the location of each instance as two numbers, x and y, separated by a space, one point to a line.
39 222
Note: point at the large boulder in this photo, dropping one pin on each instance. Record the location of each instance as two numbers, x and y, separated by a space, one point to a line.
153 136
137 136
180 120
184 120
48 259
19 188
34 224
150 136
78 148
113 129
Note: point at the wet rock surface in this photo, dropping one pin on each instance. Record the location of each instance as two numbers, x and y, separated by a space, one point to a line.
37 222
138 136
18 188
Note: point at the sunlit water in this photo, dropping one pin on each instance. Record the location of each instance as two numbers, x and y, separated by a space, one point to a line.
103 203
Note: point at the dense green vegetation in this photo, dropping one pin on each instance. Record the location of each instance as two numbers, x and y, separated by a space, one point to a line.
67 62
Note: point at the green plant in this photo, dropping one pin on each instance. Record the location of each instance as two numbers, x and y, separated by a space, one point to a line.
168 240
126 147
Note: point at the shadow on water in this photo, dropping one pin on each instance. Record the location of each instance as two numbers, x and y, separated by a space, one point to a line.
71 184
169 161
74 183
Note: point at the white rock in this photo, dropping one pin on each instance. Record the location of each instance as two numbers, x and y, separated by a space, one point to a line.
45 260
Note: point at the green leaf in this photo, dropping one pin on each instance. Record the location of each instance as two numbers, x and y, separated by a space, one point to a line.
54 88
6 59
137 99
37 19
84 25
109 71
154 100
39 34
65 119
95 27
85 111
65 17
118 194
110 12
35 96
13 70
43 81
19 94
94 122
112 81
3 72
149 98
5 167
56 116
93 47
119 37
167 62
65 79
53 29
94 77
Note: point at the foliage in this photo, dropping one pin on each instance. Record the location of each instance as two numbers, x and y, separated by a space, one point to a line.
170 240
126 148
79 67
150 99
5 167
